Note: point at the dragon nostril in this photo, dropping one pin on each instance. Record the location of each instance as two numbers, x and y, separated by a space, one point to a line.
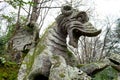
40 77
67 10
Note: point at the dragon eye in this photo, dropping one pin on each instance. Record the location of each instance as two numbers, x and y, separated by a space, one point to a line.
82 17
79 18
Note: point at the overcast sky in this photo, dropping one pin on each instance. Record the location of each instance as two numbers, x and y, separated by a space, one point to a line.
109 8
103 7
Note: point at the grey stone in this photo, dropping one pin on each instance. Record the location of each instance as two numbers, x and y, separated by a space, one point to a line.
51 60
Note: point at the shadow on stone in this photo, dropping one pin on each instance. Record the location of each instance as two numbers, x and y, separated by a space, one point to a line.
40 77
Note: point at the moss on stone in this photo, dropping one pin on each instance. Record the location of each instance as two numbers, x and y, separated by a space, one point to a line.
56 64
70 54
62 75
80 65
107 74
55 57
41 45
57 61
38 50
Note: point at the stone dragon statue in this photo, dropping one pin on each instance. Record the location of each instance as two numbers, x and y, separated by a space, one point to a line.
51 60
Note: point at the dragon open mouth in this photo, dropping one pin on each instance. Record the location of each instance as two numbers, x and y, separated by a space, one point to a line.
86 30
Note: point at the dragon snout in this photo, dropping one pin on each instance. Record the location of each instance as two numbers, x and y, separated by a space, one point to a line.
82 30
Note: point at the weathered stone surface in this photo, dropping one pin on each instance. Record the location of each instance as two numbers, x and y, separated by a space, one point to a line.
51 60
115 58
118 78
115 61
62 71
24 67
94 68
21 39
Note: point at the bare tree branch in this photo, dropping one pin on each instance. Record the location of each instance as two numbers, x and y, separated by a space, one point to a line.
49 7
43 18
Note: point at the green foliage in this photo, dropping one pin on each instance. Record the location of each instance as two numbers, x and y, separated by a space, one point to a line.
107 74
22 19
70 54
9 71
4 39
2 60
30 3
2 44
10 29
16 3
9 19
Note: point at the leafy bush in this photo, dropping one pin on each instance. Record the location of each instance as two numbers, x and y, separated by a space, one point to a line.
9 71
10 29
2 60
2 44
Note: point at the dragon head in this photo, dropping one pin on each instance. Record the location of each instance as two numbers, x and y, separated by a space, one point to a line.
75 24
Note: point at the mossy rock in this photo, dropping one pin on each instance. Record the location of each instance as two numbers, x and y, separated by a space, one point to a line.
9 71
107 74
